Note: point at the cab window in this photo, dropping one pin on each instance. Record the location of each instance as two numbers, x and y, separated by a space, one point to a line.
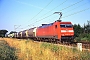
62 26
66 25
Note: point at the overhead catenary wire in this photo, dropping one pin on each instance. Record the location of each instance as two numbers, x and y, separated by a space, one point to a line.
62 9
49 11
37 13
40 11
76 12
59 10
71 5
52 14
38 21
55 7
75 8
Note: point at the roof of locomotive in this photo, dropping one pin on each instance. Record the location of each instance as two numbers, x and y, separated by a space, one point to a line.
63 22
45 25
50 24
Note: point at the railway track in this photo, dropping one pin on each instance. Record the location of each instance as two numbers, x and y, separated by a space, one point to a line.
85 45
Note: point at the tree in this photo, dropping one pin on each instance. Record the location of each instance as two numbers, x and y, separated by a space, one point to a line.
2 33
87 27
77 30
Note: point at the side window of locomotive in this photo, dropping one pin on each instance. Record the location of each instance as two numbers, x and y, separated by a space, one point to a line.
55 26
62 26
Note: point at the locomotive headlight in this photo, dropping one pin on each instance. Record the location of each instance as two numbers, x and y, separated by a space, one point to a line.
70 31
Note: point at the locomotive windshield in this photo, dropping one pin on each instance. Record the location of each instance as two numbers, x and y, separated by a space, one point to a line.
66 25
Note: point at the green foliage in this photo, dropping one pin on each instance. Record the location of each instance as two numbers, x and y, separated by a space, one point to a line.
53 47
46 45
26 41
2 33
78 39
77 30
75 50
85 56
83 37
82 33
6 52
88 37
87 27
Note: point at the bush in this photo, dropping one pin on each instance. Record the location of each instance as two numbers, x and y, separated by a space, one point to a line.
55 48
52 47
83 37
78 39
85 56
88 37
6 52
46 45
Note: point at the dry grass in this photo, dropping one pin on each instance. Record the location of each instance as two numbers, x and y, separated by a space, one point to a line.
31 50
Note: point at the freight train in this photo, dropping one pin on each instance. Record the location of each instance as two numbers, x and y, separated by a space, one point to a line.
57 31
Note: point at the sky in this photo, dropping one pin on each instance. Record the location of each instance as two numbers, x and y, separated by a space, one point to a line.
18 15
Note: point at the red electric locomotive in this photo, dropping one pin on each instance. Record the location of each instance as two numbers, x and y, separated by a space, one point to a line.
60 31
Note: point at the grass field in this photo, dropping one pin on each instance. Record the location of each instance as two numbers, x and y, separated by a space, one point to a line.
33 50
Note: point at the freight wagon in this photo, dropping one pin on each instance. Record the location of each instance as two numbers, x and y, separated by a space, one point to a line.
56 31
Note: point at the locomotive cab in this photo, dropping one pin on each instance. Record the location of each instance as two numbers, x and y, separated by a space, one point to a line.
64 30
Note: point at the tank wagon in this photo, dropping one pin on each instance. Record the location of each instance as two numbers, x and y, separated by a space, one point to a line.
32 32
11 35
56 31
24 34
19 34
29 33
15 35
